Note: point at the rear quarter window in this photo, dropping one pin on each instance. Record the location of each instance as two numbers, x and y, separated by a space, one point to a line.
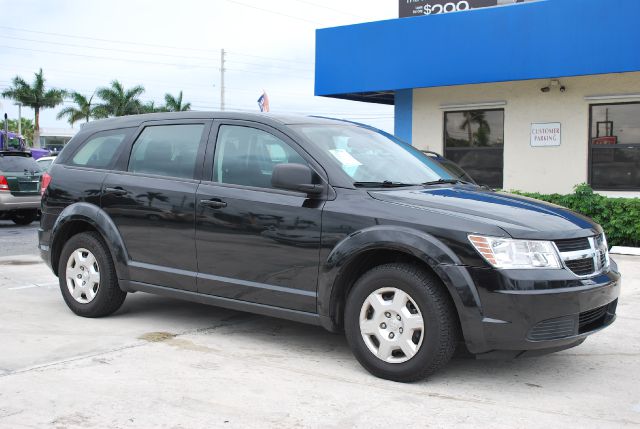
101 149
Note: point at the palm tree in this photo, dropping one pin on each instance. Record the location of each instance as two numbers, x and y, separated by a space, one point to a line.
84 110
118 101
150 107
35 96
174 104
474 117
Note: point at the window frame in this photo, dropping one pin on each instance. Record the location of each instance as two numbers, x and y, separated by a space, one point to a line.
478 148
590 148
123 162
213 142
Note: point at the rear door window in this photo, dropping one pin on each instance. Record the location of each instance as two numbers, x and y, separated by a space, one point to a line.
167 150
101 149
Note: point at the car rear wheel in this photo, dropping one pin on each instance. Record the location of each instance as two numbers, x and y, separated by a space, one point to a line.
24 217
400 322
87 277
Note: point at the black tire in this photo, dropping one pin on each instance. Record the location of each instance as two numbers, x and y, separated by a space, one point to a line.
440 333
24 217
109 297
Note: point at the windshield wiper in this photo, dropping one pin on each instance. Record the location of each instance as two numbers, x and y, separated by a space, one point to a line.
383 184
446 181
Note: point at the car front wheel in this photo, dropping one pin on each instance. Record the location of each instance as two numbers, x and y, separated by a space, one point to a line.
400 322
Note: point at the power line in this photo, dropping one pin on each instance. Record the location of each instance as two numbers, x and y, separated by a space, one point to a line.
153 45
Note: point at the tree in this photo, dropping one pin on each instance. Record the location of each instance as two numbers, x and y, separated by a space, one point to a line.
35 96
27 128
82 110
150 107
118 101
476 117
174 104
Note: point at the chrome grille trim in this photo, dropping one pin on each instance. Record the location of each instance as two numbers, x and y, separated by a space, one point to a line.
597 253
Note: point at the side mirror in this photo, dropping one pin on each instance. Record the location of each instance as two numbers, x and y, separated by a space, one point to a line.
295 177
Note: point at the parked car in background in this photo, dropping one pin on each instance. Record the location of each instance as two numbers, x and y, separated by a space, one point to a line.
20 179
45 162
323 222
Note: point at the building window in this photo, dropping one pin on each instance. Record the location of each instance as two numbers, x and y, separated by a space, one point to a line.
614 147
474 140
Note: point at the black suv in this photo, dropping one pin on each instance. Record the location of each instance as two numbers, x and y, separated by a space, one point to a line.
322 222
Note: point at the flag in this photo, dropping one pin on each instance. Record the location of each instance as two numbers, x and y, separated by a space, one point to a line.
263 102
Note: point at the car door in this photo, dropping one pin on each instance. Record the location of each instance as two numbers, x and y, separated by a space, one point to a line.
152 201
256 243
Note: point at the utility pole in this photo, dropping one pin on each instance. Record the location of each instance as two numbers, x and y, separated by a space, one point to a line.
222 80
19 118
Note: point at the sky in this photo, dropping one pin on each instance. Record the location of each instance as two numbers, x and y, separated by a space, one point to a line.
169 46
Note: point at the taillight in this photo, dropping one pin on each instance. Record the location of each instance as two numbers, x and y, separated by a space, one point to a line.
46 179
4 185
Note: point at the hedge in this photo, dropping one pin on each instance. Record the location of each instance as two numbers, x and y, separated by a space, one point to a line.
620 217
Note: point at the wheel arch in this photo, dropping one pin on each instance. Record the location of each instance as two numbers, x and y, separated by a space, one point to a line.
81 217
368 248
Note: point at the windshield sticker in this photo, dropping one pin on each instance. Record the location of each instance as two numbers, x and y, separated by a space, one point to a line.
345 158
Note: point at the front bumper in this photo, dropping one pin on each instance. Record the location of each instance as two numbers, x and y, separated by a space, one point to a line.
533 312
10 202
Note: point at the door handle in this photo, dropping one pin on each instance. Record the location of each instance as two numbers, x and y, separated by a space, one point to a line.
115 191
214 203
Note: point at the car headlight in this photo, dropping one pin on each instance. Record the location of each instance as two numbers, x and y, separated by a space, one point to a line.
507 253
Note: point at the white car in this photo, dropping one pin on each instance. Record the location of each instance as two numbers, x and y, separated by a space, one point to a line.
45 162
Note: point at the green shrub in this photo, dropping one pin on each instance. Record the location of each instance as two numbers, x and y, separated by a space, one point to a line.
620 217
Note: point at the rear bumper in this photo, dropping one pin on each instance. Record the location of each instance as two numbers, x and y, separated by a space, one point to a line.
10 202
526 313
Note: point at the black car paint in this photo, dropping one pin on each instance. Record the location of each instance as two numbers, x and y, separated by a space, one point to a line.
290 255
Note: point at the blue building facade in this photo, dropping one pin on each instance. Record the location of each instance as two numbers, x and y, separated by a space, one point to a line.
560 55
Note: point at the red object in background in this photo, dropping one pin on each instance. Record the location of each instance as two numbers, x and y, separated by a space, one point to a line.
605 140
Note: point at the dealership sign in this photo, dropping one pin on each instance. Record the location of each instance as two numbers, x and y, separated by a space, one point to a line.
548 134
429 7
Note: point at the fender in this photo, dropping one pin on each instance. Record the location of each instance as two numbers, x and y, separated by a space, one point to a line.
417 243
99 220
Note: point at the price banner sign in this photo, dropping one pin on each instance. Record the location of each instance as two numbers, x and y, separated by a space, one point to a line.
430 7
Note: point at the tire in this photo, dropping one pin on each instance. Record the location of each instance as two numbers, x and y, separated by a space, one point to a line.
427 349
24 217
101 295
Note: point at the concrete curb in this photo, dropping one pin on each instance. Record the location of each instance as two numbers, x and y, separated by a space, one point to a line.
622 250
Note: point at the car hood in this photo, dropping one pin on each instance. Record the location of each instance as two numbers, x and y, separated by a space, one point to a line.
520 217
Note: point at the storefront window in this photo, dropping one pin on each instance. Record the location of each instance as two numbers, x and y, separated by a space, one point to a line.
474 140
615 147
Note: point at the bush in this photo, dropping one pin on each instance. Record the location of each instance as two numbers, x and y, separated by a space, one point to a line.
619 217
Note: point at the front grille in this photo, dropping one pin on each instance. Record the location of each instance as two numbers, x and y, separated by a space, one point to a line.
553 329
581 267
573 244
594 319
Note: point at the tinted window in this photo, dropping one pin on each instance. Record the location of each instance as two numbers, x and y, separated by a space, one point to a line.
246 156
474 139
167 150
101 149
615 146
14 163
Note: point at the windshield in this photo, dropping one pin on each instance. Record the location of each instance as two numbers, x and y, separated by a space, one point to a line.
14 164
370 157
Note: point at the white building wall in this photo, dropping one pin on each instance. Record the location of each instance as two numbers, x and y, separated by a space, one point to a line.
526 168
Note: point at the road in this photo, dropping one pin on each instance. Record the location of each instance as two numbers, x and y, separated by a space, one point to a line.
18 240
165 363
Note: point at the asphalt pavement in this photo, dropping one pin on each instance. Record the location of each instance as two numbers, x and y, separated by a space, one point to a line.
18 240
164 363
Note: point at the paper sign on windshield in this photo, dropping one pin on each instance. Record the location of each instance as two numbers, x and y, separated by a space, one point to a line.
345 158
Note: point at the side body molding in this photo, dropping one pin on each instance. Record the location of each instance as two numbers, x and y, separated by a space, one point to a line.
98 219
419 244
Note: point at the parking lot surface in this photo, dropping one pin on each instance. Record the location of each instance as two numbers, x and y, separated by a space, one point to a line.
165 363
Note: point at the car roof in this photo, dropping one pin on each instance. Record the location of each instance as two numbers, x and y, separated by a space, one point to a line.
266 118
